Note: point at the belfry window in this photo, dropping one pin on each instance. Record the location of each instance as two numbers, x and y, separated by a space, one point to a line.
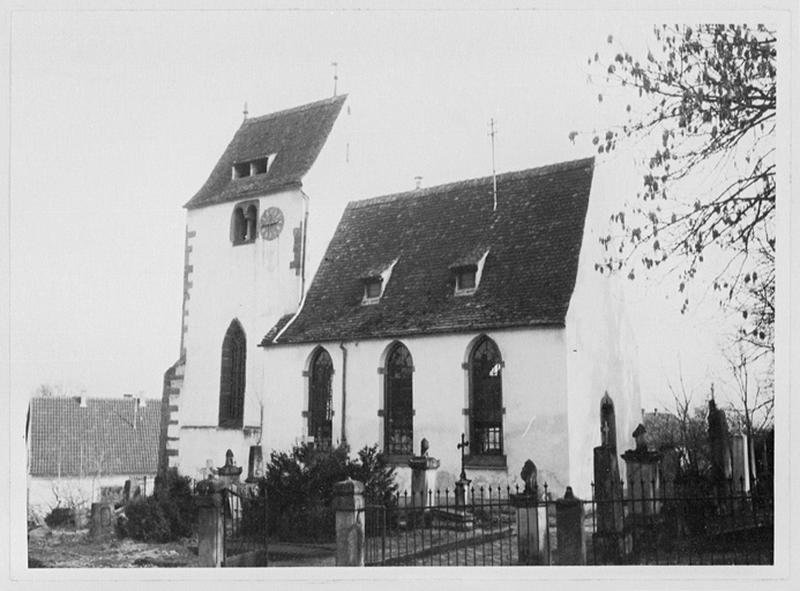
244 221
320 400
232 377
486 399
398 414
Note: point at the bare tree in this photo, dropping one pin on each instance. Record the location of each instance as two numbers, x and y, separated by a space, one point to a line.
709 109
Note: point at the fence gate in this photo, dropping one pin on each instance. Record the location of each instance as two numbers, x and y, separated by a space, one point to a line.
245 540
441 530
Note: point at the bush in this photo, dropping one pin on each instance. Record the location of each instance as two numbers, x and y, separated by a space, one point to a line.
60 517
145 521
299 487
166 516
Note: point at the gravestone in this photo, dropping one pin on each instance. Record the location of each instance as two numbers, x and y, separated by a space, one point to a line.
740 463
423 477
721 470
230 472
255 464
570 531
608 540
527 517
103 521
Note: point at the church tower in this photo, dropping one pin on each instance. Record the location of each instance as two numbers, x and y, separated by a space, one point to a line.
244 268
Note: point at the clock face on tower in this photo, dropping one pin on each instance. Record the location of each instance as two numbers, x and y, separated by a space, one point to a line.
271 223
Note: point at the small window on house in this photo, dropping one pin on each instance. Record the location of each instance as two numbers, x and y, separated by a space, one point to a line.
465 279
468 270
372 288
244 221
375 281
241 169
259 166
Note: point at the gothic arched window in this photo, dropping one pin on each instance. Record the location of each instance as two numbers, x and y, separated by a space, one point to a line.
398 411
320 399
486 399
232 377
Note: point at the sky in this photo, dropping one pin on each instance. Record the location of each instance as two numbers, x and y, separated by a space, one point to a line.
117 118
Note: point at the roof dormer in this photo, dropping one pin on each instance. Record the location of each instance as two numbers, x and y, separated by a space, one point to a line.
467 271
375 281
246 168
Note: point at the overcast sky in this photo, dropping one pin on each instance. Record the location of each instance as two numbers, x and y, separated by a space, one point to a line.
119 117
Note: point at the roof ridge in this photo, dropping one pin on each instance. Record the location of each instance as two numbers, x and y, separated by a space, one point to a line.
297 109
506 176
93 398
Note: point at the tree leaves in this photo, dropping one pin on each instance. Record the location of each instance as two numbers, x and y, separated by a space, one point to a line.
709 93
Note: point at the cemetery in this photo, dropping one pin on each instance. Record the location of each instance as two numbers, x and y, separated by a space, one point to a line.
647 509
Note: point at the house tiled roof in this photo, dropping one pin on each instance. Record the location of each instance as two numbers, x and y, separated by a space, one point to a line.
295 136
533 241
107 436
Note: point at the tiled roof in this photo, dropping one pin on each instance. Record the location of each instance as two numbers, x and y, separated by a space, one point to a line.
295 136
113 434
533 241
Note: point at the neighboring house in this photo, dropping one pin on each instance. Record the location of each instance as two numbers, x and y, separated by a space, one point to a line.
80 449
440 311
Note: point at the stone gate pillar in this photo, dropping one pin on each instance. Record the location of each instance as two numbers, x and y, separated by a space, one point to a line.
348 502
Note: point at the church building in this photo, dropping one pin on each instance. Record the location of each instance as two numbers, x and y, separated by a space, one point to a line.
468 308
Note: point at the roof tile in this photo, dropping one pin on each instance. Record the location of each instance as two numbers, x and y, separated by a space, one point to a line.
534 239
107 436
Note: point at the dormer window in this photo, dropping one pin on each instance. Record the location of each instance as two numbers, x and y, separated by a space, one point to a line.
375 281
468 270
465 279
244 221
372 288
252 167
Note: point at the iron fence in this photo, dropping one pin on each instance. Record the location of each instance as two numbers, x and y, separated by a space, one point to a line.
441 528
245 515
680 522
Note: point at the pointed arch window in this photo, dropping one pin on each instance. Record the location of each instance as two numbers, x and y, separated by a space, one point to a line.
399 402
232 377
320 399
486 399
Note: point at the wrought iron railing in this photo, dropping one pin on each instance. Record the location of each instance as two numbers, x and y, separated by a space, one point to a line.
441 529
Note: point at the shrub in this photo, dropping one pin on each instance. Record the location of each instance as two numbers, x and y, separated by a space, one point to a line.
167 515
60 517
145 521
299 487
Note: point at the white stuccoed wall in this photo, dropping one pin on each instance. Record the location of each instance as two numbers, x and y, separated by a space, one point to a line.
602 355
42 497
250 282
534 387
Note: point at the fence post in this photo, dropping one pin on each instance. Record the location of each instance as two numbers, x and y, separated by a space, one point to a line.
570 533
210 530
348 502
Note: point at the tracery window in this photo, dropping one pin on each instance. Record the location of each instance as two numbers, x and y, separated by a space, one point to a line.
232 377
399 403
486 399
320 400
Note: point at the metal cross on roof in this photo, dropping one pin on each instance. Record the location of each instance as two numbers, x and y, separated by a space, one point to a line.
462 446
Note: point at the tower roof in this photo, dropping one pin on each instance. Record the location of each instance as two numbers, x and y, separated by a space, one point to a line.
294 138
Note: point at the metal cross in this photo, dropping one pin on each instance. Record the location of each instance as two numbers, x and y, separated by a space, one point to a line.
463 445
492 133
335 75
